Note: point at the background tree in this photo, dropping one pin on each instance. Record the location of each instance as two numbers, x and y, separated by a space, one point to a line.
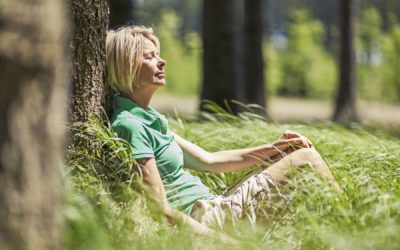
90 24
32 114
326 11
345 110
253 54
386 8
122 12
222 68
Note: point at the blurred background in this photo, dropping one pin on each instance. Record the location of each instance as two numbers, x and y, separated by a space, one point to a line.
300 54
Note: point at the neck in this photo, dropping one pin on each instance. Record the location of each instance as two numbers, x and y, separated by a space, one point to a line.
140 96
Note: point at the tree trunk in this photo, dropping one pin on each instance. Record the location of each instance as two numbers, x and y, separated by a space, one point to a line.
183 12
253 54
345 111
222 68
327 12
32 114
89 93
122 12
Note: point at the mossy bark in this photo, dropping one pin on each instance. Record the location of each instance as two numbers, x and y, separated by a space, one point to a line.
33 93
89 92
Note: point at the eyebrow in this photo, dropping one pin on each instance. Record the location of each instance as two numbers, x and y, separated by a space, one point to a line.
151 52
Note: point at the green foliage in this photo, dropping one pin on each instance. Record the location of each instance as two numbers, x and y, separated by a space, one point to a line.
391 64
369 31
369 41
378 58
183 57
307 70
273 72
302 69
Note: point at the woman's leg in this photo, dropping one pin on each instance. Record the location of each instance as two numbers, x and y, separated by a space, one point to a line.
307 156
243 199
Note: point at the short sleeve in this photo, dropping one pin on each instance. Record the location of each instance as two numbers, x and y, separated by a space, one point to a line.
133 132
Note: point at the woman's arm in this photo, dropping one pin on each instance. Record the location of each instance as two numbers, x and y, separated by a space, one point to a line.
151 178
233 160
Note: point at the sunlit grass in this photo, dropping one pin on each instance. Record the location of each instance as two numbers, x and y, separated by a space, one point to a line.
107 209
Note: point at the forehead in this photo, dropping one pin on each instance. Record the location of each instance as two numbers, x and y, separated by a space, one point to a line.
149 45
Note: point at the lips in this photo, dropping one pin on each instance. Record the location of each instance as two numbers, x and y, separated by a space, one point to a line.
160 75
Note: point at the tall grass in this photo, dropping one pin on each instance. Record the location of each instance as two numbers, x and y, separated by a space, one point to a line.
108 210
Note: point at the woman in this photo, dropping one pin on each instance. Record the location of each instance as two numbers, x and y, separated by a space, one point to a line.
136 71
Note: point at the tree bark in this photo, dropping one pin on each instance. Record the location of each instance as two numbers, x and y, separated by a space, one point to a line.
89 92
122 12
253 54
33 115
345 111
222 68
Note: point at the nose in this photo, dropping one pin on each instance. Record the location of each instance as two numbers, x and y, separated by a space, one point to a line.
161 62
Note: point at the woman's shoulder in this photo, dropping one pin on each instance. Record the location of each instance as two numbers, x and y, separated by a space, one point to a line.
125 119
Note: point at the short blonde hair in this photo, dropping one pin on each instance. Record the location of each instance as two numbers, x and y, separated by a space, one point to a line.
124 56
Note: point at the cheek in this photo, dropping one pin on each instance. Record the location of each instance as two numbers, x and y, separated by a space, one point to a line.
146 72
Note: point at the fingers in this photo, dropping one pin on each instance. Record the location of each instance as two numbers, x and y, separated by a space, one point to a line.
291 135
284 143
284 147
306 142
299 143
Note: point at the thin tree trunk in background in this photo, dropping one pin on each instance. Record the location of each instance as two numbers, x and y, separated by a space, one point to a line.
185 16
253 54
33 93
327 12
222 68
345 111
89 93
122 12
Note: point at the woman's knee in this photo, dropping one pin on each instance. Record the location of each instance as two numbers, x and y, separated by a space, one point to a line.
306 156
309 153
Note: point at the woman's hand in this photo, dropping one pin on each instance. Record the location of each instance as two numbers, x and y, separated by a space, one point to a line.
288 143
238 159
291 135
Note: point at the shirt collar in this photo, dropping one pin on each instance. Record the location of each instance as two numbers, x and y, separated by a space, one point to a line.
148 116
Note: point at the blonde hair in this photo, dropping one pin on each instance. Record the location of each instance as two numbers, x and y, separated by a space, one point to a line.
124 56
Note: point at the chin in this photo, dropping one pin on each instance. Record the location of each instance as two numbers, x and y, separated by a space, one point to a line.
160 84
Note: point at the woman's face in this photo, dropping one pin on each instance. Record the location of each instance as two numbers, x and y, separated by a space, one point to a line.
152 70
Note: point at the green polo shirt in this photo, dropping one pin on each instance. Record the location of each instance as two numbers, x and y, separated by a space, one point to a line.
148 133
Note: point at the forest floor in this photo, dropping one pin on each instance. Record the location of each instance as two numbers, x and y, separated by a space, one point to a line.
107 209
289 110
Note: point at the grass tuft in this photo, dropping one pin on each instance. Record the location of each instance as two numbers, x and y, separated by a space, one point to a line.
107 208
